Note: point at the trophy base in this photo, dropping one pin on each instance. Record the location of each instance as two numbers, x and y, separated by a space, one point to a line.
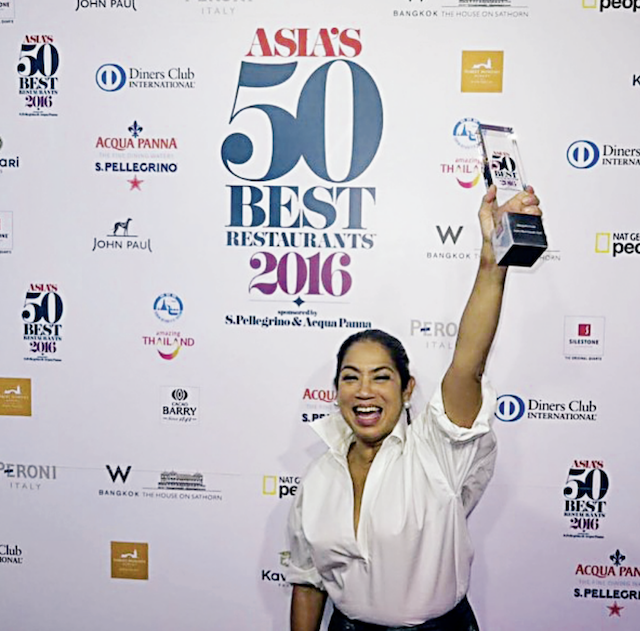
519 240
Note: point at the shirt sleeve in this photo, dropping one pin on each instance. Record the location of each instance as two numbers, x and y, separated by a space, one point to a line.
301 570
466 455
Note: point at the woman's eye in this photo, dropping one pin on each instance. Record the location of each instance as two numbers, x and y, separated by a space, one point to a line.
383 378
349 378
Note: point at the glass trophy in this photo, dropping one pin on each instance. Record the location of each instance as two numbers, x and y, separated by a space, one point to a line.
518 239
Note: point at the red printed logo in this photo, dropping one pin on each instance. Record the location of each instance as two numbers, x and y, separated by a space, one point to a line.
584 330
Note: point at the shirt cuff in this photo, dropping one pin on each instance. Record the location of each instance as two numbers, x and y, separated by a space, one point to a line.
298 576
481 424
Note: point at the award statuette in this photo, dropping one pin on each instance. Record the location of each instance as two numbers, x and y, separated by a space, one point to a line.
519 239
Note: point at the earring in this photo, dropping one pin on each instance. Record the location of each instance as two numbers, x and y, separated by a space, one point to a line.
335 402
407 405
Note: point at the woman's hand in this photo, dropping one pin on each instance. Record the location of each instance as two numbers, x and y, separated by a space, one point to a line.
490 215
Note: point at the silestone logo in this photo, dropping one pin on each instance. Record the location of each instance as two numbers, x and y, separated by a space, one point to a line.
584 337
15 397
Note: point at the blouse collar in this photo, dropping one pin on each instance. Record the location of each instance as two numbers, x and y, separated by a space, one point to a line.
335 432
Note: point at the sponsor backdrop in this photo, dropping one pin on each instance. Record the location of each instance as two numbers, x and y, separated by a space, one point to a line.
201 198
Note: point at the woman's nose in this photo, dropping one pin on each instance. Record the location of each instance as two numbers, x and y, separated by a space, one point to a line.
364 390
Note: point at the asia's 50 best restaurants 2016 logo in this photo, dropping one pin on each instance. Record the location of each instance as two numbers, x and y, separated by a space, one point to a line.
585 489
37 71
42 327
302 234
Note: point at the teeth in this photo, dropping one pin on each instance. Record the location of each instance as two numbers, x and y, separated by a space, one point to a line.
366 410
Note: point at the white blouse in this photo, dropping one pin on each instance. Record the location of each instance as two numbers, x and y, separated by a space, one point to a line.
411 558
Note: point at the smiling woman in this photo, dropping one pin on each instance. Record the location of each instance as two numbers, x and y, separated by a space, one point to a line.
379 521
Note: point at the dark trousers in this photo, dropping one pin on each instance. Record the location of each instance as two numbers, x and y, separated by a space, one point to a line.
460 618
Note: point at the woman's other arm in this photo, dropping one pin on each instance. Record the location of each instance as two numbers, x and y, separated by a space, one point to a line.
307 607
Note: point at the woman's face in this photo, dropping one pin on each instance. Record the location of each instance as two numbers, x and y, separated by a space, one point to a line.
370 392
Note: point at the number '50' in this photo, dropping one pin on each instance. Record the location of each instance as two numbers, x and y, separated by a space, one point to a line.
304 134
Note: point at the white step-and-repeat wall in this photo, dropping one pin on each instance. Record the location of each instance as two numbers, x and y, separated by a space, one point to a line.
199 199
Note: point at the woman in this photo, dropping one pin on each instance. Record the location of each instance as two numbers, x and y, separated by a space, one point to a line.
379 521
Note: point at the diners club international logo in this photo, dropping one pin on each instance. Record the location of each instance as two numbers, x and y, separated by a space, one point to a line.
42 314
38 81
112 77
11 554
585 506
303 235
612 582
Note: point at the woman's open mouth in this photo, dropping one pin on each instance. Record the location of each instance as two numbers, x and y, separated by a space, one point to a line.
367 415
